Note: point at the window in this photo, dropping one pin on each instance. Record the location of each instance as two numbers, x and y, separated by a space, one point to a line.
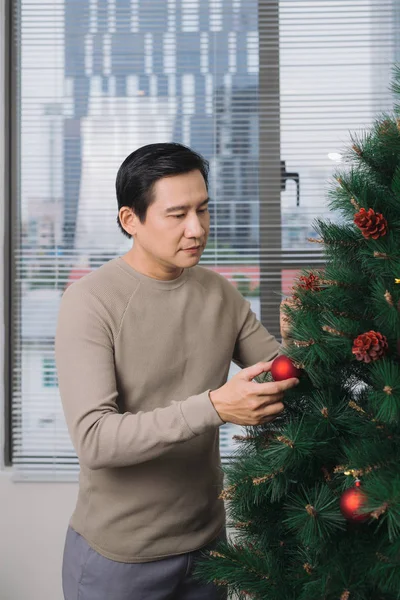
267 90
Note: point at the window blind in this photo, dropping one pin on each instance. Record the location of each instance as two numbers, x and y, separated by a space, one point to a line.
267 91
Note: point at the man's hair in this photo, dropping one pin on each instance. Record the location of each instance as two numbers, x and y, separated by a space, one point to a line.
144 167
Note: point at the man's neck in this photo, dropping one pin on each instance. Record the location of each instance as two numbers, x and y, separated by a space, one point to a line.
132 260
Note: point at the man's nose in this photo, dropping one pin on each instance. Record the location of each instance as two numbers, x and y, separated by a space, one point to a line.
194 228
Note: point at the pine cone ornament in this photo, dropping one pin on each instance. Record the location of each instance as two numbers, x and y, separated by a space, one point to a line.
372 224
370 346
311 282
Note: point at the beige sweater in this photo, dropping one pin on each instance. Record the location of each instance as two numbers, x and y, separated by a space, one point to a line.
136 359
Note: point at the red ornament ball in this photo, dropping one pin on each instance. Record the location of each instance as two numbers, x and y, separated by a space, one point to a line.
283 368
351 504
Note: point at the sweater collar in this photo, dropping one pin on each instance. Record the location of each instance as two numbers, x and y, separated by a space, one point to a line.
159 284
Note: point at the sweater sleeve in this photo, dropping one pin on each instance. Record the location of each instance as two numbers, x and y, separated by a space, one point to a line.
101 435
254 343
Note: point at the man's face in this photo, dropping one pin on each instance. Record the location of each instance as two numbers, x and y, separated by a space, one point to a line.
177 220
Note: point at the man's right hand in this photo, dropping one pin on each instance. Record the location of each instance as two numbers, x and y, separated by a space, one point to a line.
246 402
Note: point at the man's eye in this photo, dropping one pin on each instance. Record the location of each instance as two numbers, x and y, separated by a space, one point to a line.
201 211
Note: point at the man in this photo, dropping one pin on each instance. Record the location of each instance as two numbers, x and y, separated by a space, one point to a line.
143 350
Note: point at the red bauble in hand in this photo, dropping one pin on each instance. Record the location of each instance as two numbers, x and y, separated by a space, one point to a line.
352 503
283 368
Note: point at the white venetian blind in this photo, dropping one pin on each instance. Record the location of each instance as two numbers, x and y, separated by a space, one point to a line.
267 91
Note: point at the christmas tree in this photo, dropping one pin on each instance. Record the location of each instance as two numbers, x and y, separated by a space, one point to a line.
314 496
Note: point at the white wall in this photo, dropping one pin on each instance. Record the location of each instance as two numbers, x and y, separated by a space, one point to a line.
33 521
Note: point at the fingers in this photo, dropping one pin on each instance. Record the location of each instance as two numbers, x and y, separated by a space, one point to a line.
269 400
287 384
272 388
271 412
250 372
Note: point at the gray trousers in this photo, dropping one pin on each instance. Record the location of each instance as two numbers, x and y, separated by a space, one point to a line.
87 575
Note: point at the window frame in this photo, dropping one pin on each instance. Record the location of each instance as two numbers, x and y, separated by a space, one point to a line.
10 63
270 176
269 164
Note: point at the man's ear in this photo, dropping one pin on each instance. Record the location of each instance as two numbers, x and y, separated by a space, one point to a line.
128 220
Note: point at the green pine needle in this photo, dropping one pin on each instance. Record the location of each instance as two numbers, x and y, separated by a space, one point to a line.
314 514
